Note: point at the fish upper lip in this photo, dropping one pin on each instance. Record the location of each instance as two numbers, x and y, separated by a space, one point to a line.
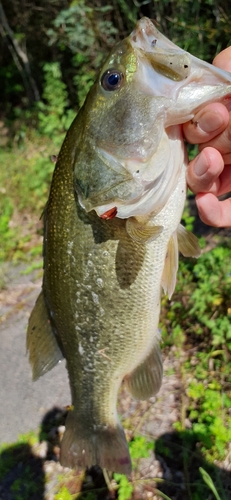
144 28
149 43
147 37
165 67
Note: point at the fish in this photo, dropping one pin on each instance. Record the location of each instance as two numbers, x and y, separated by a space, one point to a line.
112 235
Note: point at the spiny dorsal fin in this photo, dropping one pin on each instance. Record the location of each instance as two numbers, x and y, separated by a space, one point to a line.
188 242
145 381
168 280
44 352
141 232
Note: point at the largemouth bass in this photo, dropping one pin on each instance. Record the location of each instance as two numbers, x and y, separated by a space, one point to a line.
112 234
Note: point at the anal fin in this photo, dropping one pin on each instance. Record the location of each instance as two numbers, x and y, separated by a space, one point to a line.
44 352
145 381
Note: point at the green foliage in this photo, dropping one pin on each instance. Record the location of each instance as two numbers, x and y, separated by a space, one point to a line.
125 487
54 117
7 234
130 11
82 25
30 438
210 298
65 32
87 31
205 286
198 320
210 422
200 308
202 28
187 218
140 447
24 185
64 494
83 78
208 480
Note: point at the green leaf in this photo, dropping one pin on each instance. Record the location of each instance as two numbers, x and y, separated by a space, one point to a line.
125 488
208 480
162 495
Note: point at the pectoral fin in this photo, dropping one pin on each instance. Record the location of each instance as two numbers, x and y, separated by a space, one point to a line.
145 381
188 242
168 280
142 233
44 352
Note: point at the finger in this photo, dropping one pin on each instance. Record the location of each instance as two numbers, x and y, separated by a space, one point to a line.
203 172
212 211
223 59
209 122
206 126
224 184
222 142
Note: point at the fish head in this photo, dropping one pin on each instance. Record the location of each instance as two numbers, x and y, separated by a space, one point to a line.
130 122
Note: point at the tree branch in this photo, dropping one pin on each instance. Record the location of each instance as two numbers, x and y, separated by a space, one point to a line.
19 56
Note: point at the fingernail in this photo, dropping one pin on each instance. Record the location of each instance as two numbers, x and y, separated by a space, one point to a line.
210 122
200 165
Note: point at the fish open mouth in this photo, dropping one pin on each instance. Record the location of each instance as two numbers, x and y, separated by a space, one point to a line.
174 73
133 173
165 57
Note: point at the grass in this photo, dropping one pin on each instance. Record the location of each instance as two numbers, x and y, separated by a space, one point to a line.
24 183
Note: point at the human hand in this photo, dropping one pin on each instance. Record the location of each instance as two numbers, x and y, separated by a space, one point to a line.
209 174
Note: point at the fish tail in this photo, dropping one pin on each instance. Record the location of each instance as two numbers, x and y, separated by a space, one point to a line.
106 446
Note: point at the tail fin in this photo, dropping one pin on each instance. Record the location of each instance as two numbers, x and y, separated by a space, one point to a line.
83 447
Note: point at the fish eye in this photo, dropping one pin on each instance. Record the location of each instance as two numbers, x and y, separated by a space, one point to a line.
112 79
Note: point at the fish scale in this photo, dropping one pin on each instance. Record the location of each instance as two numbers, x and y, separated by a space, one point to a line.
111 237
